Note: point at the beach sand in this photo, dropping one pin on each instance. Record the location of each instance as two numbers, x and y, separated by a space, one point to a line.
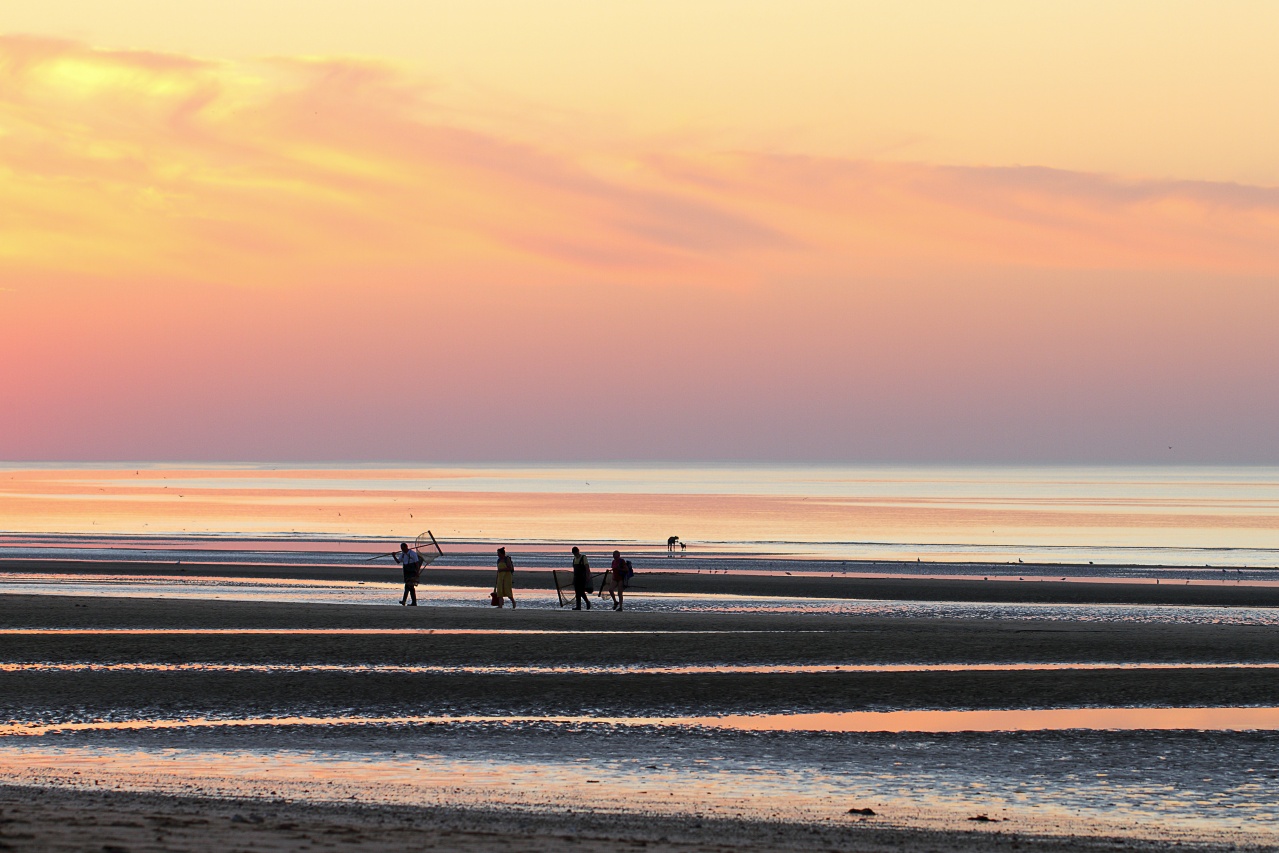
67 818
55 820
600 639
815 579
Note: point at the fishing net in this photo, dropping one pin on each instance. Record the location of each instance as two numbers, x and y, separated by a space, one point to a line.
563 587
427 548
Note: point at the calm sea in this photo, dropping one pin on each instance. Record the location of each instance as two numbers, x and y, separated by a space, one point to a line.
1173 516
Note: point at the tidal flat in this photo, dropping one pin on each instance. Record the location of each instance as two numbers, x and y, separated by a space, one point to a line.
167 722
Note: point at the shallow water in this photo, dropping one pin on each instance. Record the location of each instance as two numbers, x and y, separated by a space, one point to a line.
387 594
933 722
611 669
28 632
1170 784
1120 516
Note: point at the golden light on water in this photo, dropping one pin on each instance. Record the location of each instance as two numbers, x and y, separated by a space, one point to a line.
729 507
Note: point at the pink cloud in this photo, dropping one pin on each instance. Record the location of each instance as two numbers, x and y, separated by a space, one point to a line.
333 161
192 253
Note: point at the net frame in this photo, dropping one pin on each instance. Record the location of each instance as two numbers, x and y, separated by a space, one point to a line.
426 540
563 581
564 585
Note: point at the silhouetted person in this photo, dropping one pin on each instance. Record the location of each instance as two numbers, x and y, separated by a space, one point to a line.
581 579
617 577
670 544
412 564
504 587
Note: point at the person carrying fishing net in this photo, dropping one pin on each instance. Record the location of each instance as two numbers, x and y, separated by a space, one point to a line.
411 562
581 579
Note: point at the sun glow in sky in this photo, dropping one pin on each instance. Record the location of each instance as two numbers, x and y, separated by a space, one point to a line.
572 230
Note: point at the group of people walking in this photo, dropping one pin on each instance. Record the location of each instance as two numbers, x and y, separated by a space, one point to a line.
614 583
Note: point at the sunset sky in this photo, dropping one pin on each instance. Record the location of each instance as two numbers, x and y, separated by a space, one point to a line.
801 231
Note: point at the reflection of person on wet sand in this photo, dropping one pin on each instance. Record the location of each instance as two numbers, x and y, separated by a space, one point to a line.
670 544
412 563
504 587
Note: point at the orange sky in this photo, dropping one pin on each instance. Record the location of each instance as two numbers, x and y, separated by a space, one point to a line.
567 231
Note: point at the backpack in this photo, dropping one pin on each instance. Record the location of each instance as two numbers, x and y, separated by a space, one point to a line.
628 574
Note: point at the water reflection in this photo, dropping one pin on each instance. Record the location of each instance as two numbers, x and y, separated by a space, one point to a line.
612 669
1042 719
361 631
1170 785
1187 516
374 594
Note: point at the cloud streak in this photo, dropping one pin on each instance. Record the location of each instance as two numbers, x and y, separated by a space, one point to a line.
196 251
133 163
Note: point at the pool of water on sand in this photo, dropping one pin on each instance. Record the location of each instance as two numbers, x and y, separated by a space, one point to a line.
387 594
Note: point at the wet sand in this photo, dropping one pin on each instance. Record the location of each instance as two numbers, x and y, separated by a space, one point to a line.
42 819
843 582
603 639
63 819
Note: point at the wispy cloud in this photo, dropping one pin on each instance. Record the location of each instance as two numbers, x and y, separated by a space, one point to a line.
126 163
137 162
890 213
